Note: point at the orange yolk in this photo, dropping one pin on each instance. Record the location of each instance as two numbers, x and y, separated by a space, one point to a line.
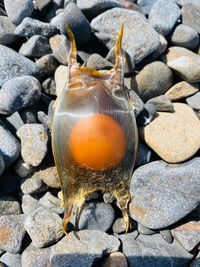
97 141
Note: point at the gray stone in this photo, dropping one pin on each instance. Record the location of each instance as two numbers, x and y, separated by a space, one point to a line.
35 257
153 251
34 140
43 227
23 169
36 46
19 93
32 185
184 2
29 204
7 28
194 101
137 101
167 235
9 146
119 226
49 175
9 206
57 20
139 39
163 16
146 5
153 80
96 216
45 120
10 259
195 263
184 36
82 248
29 27
52 203
161 49
12 232
13 64
77 22
147 115
60 46
164 193
43 5
48 64
49 86
144 154
94 8
162 103
60 77
144 230
17 10
13 122
96 61
2 165
190 15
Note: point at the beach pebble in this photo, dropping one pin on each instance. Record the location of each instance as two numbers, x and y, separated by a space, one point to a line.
196 262
77 22
49 175
17 10
115 259
2 165
146 5
49 85
10 259
181 90
96 216
29 203
48 64
52 203
35 257
167 235
43 5
60 77
161 49
43 227
163 16
190 15
162 103
119 226
138 33
13 64
60 46
144 230
19 93
7 35
153 251
185 63
153 80
98 243
163 193
194 101
34 139
9 146
143 154
174 136
12 232
23 169
97 62
188 234
9 206
29 27
184 36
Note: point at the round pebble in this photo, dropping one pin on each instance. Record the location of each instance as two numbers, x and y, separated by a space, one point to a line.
194 101
190 15
7 35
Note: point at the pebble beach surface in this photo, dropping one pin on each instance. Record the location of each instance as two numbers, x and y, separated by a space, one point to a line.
162 75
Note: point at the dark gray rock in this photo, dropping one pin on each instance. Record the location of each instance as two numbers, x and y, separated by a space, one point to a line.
97 62
18 10
43 227
184 36
29 27
19 93
10 259
162 103
139 39
153 251
12 64
194 101
9 206
96 216
82 248
43 5
12 232
164 193
7 28
190 15
77 22
163 16
137 101
143 154
119 226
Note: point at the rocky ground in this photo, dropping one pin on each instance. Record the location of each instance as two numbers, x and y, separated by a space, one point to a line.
161 40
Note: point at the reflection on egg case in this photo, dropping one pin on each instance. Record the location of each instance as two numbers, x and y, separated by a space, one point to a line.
94 134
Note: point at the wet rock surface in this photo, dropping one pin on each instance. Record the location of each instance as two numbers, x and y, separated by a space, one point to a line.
162 78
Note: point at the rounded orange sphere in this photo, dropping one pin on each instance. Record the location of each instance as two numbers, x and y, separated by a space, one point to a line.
98 142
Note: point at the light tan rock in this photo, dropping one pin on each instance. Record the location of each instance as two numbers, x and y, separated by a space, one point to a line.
115 259
175 137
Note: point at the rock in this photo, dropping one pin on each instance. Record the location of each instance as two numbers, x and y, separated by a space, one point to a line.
13 122
184 63
52 203
49 175
13 64
161 49
43 227
181 90
196 262
184 2
2 165
23 169
143 154
119 226
36 46
33 184
137 101
29 203
10 259
188 234
153 80
9 206
95 61
190 15
106 25
77 22
144 230
12 233
153 251
19 93
60 78
167 235
96 216
194 101
163 16
7 35
35 257
147 115
115 259
29 27
175 137
146 5
60 46
18 10
9 146
163 193
49 85
34 139
48 64
184 36
43 5
73 249
162 103
93 8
